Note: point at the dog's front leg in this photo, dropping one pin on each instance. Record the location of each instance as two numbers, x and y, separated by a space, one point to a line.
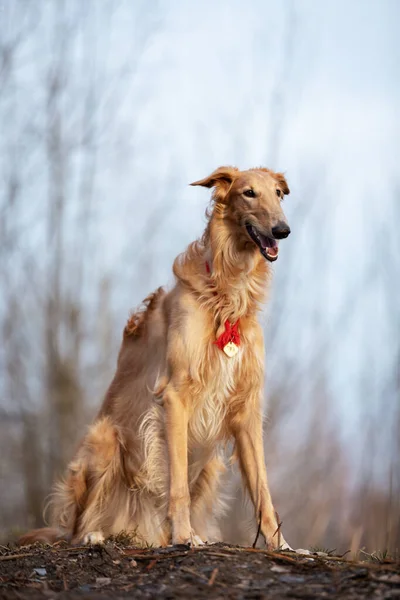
179 497
249 444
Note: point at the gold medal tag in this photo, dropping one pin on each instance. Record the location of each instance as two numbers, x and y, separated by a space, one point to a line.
231 349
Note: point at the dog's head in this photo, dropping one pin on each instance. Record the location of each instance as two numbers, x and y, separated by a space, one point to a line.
252 205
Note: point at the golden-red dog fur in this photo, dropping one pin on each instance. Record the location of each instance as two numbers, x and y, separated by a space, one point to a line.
151 461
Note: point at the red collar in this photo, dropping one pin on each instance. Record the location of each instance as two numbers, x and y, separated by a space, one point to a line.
231 334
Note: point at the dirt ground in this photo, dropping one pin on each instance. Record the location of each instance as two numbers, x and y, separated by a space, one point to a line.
117 571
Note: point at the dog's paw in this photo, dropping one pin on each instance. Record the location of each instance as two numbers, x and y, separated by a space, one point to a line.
192 540
285 546
93 537
195 540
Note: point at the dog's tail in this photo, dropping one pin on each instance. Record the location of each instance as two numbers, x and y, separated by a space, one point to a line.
46 535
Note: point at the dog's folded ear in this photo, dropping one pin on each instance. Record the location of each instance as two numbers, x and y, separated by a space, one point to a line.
282 182
223 176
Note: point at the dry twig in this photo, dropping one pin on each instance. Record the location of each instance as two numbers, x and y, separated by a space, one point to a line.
258 530
213 576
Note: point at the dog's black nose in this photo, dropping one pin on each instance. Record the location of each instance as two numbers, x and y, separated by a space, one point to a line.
281 230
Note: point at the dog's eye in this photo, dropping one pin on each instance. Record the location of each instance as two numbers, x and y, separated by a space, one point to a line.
249 193
278 193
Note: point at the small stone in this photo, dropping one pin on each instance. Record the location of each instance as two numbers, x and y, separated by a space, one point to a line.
133 563
279 569
100 581
40 571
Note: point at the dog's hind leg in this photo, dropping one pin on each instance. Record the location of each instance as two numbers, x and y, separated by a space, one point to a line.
82 503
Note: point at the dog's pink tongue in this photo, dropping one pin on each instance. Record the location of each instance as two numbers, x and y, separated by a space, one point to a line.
273 251
268 242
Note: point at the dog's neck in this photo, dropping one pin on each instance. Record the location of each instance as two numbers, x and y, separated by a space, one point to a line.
235 283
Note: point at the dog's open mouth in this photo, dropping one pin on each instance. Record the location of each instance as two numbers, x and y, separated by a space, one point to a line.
268 245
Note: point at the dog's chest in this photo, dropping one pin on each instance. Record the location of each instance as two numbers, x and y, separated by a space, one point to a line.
211 397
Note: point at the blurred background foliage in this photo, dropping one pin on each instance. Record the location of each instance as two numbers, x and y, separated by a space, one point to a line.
108 109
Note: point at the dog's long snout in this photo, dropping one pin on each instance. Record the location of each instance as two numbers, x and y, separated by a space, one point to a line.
281 230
